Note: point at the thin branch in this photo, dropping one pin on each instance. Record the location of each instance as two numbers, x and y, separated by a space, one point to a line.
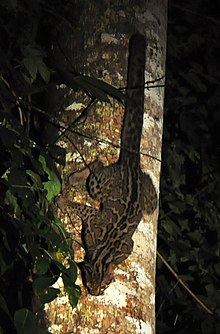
77 120
184 284
16 99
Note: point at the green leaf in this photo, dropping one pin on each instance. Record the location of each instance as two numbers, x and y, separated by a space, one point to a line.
93 90
33 64
52 186
168 226
61 267
30 66
69 277
25 322
4 306
74 293
11 201
70 274
43 71
105 87
49 295
96 87
43 282
42 265
5 175
72 270
33 51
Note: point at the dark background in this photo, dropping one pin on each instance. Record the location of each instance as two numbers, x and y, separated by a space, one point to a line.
188 232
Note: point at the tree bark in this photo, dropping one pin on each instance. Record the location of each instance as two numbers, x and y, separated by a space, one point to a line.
100 48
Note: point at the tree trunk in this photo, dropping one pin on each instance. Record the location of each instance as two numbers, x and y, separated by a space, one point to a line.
100 48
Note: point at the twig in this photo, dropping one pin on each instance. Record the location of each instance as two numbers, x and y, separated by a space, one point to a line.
183 284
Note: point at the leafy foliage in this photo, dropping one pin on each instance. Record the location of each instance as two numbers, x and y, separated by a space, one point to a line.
25 322
34 242
35 249
189 236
